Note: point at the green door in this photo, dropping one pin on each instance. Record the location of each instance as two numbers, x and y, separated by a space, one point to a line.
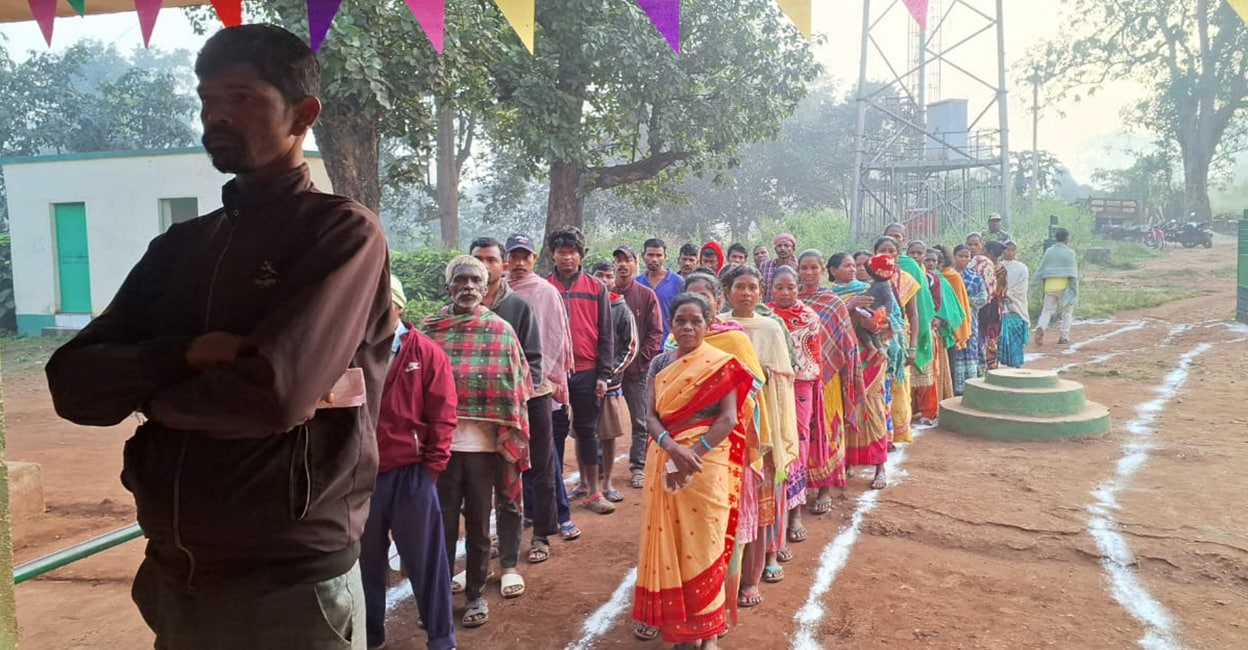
73 265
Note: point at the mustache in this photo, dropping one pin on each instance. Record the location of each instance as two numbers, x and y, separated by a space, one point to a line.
221 133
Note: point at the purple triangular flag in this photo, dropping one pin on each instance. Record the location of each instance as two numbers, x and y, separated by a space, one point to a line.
665 14
44 12
148 10
320 16
431 16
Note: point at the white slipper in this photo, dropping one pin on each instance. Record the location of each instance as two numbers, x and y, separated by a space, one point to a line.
513 585
459 583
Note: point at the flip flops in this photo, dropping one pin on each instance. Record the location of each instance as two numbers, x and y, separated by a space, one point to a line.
512 585
569 531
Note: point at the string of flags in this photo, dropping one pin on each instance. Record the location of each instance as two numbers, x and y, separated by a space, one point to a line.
431 16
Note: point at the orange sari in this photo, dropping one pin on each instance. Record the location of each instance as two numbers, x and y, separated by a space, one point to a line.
687 537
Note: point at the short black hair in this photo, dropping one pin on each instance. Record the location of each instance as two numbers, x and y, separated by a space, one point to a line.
280 59
486 242
602 266
567 236
688 298
995 248
740 248
1062 235
689 250
654 242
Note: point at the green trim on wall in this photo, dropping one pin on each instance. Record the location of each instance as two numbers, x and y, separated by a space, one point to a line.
102 155
33 324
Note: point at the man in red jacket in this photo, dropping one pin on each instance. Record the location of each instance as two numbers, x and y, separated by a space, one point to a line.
414 430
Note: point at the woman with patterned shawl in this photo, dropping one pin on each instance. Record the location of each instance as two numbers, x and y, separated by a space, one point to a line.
916 304
729 337
777 429
966 363
1015 315
929 383
690 507
995 309
960 335
990 313
805 332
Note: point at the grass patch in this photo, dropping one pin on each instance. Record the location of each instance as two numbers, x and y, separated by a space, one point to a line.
21 354
1226 272
1103 299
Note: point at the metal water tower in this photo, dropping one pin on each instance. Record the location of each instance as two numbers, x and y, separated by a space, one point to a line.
932 163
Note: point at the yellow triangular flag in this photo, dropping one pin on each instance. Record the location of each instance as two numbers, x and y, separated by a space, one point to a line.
520 14
799 12
1240 7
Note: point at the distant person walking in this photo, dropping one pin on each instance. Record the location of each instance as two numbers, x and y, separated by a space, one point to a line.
1059 276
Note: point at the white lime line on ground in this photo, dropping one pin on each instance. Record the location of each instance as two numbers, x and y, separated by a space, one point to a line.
1160 632
604 617
1133 326
834 558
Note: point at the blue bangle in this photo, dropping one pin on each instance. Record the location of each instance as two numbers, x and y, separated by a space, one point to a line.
705 444
659 441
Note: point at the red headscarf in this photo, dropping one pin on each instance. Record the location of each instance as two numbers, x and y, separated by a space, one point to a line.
882 266
719 253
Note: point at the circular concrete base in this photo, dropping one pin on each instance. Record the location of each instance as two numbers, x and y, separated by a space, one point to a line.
1016 404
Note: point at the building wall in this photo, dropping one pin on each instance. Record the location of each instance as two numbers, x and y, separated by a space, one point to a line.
122 194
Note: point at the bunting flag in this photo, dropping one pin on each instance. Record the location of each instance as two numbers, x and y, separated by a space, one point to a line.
229 11
799 12
520 13
44 12
80 6
431 16
148 10
918 9
1240 7
320 16
665 14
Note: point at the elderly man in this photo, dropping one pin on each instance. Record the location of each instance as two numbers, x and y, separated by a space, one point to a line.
786 255
545 496
588 302
227 333
648 329
489 448
414 430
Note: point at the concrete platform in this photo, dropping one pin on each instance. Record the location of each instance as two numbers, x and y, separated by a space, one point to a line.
1065 398
25 489
1092 420
1016 404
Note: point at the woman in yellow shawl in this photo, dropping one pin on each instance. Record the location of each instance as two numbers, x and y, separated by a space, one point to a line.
694 468
777 428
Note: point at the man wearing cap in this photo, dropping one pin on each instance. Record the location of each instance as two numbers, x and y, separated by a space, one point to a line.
544 491
786 255
649 320
414 430
994 229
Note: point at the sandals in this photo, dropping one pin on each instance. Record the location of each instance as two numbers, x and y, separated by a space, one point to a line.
745 601
880 481
578 492
645 632
822 506
513 585
773 574
784 555
459 583
569 531
613 496
476 614
539 551
799 533
638 481
599 504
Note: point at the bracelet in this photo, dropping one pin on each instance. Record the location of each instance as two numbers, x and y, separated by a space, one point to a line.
705 444
659 440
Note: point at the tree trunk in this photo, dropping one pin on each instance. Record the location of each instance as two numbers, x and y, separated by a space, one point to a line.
1196 162
349 141
448 176
566 205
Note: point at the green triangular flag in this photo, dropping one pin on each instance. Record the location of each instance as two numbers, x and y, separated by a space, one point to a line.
80 6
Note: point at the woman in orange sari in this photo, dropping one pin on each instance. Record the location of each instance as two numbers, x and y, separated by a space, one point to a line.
694 469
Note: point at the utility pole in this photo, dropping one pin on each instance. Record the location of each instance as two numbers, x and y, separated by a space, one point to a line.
1035 136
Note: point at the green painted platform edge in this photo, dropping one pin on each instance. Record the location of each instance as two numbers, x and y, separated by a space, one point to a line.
1059 401
1037 430
33 324
1005 381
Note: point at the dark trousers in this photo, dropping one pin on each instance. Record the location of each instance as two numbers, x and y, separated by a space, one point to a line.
563 511
405 506
469 486
635 395
539 480
586 407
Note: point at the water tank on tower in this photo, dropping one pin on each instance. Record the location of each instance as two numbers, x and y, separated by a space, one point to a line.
947 122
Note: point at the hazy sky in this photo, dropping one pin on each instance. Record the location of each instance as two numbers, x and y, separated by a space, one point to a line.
1088 137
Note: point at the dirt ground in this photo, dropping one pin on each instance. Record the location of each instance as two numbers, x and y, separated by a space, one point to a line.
977 544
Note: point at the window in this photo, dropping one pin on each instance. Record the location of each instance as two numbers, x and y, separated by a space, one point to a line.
177 210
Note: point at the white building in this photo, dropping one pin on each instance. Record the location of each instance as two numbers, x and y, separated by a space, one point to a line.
79 222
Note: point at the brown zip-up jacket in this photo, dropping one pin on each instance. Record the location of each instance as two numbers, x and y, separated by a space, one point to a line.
237 477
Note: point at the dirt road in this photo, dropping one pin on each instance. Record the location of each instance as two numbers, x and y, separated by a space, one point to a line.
1083 544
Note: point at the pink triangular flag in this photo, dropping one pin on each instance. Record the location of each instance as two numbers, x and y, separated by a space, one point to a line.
320 16
918 9
229 11
665 14
148 10
44 12
431 16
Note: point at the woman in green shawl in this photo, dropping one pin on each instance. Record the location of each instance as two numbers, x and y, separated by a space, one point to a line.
915 298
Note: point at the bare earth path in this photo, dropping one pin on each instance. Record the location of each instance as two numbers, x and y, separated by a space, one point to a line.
977 544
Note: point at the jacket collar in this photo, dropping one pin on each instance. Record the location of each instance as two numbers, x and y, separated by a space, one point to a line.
295 181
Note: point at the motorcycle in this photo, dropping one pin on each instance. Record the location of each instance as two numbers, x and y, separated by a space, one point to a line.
1193 234
1155 237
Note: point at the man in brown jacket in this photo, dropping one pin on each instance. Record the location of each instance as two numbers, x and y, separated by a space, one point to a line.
252 472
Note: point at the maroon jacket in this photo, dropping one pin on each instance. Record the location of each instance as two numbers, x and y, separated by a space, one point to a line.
649 318
417 418
237 477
